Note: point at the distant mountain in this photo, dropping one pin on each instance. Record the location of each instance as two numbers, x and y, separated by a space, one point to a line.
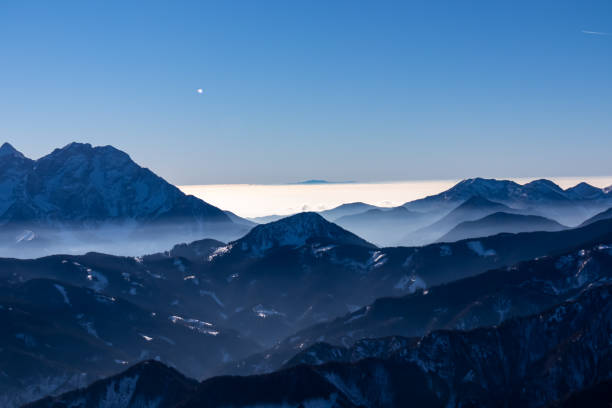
585 191
539 197
604 215
331 215
81 195
266 218
500 222
314 181
530 362
383 226
345 210
502 191
473 208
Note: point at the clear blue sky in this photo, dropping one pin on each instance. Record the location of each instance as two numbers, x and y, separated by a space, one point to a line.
293 90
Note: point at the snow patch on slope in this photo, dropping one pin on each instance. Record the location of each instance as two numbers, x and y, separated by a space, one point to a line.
62 292
476 246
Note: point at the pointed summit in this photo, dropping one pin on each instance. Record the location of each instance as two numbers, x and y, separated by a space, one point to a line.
8 150
584 191
295 231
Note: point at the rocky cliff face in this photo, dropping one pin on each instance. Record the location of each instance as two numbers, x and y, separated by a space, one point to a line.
97 195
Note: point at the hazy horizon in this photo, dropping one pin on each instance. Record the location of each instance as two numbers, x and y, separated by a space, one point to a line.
256 200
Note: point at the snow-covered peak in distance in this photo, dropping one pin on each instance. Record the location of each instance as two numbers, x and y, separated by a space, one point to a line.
542 197
295 231
509 192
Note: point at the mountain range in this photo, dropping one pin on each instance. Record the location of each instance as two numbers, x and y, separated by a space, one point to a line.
531 361
503 299
235 298
427 220
81 195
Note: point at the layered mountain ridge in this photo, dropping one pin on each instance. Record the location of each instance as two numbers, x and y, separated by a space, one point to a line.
531 361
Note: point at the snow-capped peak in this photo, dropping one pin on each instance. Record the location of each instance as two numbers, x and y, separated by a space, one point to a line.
295 231
81 183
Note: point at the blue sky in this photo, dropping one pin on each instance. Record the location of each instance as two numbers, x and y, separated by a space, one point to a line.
293 90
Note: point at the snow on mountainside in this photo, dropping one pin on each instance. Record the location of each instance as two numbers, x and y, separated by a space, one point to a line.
503 191
295 231
81 183
426 219
97 189
481 300
529 362
57 336
542 197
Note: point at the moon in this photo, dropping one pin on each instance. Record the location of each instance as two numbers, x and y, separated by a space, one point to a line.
200 90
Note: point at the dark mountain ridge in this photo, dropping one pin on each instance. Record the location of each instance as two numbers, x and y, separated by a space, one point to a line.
530 361
500 222
484 299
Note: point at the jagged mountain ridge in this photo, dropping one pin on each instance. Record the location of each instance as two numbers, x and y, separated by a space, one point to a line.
530 361
484 299
267 298
93 195
207 276
81 183
540 197
510 193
